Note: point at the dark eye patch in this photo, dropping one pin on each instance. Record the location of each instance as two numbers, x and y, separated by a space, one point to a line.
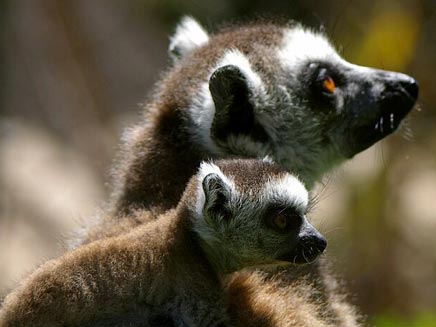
282 219
322 74
323 80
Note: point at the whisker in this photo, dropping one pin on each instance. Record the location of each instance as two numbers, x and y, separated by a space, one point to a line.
327 232
312 250
304 256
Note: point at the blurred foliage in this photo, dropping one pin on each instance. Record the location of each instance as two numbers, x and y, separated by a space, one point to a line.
423 320
391 36
73 73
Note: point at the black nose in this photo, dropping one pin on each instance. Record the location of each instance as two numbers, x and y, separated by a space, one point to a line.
309 247
411 87
400 88
318 242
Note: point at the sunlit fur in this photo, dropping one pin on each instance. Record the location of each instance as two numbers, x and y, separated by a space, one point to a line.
188 36
284 299
247 91
172 266
163 150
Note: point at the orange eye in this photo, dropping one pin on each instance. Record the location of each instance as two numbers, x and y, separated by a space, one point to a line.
280 221
328 84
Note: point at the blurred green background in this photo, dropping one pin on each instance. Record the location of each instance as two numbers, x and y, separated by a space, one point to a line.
73 74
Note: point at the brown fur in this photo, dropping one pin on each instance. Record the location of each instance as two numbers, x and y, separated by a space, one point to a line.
157 268
158 159
160 156
283 297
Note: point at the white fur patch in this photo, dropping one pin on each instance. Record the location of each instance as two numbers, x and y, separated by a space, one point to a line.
268 159
237 58
301 44
288 189
202 112
189 35
205 169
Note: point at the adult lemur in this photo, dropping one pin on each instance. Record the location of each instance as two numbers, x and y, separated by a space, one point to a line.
255 91
233 214
252 91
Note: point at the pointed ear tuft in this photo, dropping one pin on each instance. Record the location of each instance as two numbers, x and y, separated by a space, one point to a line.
189 35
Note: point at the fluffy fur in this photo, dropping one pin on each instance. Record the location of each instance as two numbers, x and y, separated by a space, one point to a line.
173 266
282 297
254 91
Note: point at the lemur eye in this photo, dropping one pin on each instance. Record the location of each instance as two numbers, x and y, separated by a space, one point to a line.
280 221
328 84
325 82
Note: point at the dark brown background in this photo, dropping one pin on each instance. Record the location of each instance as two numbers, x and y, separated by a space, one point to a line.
74 72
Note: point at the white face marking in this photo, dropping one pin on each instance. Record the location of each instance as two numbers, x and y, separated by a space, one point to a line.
202 112
287 189
237 58
300 45
205 169
189 35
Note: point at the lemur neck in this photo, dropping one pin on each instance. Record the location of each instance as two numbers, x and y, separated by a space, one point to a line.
203 237
313 168
222 260
212 260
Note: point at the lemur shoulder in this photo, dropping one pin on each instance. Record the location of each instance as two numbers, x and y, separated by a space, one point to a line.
233 214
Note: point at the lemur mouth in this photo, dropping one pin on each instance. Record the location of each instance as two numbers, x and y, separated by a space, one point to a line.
307 250
394 105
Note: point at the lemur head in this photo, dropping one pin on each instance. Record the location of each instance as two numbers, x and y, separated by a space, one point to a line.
252 212
285 92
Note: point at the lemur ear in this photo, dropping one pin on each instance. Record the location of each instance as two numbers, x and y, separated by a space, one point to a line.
189 35
217 193
234 112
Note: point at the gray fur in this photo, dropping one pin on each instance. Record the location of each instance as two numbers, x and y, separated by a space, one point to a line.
248 92
253 91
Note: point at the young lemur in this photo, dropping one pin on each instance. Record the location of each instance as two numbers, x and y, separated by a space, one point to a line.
251 91
233 214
